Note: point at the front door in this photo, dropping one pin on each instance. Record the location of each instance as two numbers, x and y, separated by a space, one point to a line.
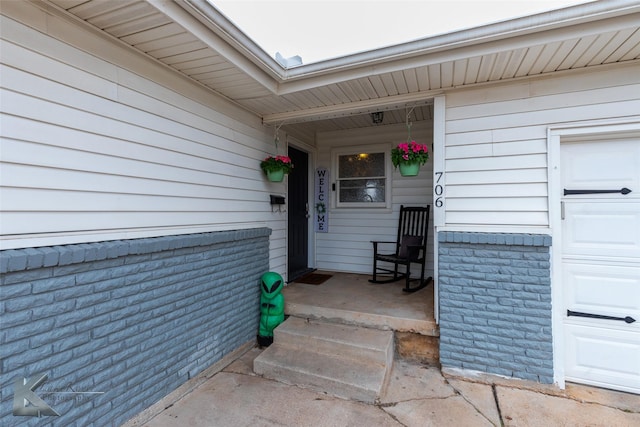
601 262
298 218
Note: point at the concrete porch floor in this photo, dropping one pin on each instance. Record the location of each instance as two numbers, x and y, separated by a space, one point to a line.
352 299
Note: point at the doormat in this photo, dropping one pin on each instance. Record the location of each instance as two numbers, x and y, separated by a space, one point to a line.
314 278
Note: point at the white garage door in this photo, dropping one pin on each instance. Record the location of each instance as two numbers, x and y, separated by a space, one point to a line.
601 262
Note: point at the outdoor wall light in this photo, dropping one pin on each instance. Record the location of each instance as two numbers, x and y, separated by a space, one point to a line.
377 117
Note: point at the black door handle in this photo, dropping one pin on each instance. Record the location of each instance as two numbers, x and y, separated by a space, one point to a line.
624 190
627 319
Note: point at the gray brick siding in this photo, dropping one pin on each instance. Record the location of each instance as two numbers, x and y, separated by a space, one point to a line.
134 319
495 304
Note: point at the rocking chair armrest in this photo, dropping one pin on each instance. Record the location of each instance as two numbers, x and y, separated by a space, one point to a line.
376 242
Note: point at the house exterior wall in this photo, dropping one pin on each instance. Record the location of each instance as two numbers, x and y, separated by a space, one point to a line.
133 319
495 304
496 141
347 245
102 143
496 317
136 221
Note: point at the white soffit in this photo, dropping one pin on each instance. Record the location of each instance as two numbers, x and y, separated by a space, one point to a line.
195 39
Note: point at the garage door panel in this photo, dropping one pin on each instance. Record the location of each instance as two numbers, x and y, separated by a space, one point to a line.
603 356
616 165
602 229
601 262
611 290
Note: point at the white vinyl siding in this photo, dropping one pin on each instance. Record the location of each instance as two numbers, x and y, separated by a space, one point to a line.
496 141
108 146
347 246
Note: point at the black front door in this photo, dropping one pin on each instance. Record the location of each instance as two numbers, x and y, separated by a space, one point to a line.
298 233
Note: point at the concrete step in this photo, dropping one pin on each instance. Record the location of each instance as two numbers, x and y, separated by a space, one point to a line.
341 360
332 338
395 317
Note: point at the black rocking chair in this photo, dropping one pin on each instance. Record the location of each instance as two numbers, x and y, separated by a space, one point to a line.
410 247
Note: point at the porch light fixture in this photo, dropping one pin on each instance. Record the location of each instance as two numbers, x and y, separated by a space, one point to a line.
377 117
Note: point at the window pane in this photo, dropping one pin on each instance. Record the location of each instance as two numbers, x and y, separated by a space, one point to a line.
361 165
362 190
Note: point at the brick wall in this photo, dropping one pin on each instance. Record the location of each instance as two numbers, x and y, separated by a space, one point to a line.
495 304
133 319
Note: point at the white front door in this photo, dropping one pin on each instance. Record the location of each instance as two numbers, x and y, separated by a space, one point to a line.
601 262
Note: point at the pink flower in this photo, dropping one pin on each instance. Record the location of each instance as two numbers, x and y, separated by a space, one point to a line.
283 159
409 151
278 162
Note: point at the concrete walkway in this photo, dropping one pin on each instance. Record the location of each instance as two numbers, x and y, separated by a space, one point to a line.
417 396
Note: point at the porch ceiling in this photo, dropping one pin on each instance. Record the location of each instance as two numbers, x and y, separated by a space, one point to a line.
194 38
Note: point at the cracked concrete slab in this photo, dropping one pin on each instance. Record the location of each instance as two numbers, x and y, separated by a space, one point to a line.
531 409
480 396
448 411
230 399
417 396
411 380
615 399
244 364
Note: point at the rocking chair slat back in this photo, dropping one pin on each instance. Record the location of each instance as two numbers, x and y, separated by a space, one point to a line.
413 222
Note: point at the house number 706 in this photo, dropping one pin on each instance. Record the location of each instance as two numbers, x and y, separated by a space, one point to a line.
438 190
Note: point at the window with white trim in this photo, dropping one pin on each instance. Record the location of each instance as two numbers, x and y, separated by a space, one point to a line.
363 177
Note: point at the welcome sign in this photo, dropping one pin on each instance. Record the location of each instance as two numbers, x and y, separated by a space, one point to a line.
321 200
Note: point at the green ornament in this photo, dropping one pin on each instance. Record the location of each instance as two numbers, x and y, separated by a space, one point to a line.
271 306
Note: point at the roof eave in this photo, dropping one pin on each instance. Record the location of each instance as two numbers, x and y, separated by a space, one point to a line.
205 22
570 16
241 50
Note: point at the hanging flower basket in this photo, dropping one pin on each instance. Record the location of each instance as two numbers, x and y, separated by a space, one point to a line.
276 167
275 175
409 156
409 168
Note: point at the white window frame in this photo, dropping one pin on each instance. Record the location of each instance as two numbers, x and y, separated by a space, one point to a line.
355 149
